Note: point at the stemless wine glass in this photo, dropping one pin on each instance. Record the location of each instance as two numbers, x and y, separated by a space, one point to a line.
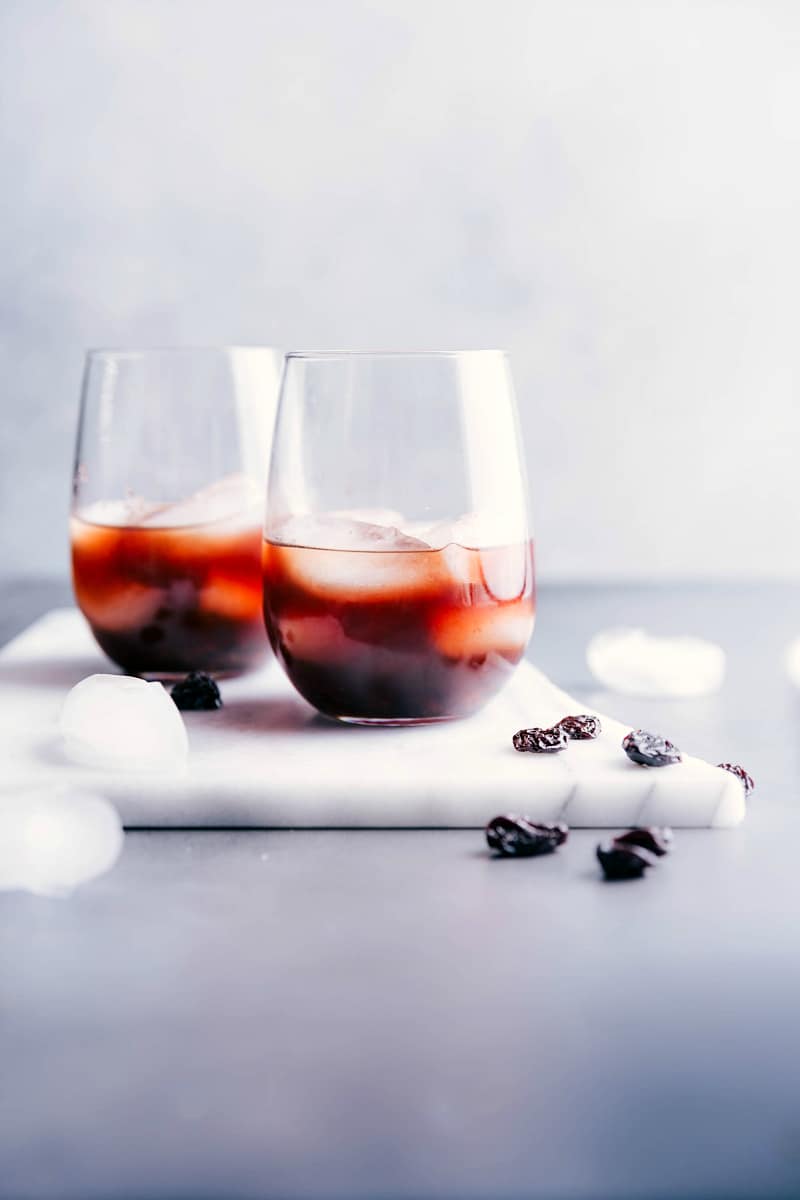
398 563
167 510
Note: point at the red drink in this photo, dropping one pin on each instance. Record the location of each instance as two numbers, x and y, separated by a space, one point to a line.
165 596
404 635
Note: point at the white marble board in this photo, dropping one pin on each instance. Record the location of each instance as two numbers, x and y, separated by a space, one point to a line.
267 760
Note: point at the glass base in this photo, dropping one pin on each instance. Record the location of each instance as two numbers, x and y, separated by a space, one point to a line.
391 721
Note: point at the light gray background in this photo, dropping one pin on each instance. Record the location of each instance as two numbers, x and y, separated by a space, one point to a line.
609 190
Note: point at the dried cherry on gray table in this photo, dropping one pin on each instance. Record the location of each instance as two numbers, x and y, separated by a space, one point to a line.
393 1014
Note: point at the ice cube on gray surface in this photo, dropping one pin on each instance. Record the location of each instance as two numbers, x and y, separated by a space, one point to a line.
638 663
792 661
52 841
123 723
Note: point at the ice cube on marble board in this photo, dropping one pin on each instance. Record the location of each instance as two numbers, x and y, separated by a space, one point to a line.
637 663
53 840
124 723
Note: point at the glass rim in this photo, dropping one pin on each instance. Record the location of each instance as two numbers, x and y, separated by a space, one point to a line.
143 351
322 355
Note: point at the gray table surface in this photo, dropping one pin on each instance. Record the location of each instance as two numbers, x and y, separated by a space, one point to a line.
394 1014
